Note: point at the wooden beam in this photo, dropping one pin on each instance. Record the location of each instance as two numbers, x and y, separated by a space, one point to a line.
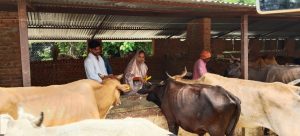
62 39
281 28
235 29
190 5
24 42
105 28
8 6
111 10
244 52
244 44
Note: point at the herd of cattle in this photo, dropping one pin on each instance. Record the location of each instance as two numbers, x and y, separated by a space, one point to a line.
212 104
266 70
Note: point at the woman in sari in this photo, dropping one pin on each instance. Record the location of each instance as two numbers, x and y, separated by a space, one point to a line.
136 72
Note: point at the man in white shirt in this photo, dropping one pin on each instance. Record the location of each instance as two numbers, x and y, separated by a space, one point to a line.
94 64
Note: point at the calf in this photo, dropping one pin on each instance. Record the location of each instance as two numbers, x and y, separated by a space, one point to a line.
196 108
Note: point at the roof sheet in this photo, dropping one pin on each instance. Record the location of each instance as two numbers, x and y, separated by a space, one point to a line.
69 19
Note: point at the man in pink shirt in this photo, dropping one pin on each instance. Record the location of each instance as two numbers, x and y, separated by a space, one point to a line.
200 65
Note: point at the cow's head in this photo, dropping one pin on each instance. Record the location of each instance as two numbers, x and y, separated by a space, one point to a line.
234 68
114 82
25 122
155 91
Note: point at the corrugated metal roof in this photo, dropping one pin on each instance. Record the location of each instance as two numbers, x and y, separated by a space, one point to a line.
84 26
78 26
135 3
59 34
41 19
67 24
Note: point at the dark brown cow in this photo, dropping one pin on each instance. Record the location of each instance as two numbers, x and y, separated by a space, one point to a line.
196 108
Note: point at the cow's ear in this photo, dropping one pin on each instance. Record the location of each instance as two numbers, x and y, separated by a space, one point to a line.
119 77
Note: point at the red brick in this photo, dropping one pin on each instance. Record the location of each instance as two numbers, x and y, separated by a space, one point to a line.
10 59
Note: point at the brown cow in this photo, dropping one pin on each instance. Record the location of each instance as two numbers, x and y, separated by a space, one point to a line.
196 108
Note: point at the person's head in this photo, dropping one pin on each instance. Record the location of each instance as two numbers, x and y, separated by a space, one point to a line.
205 55
140 57
95 47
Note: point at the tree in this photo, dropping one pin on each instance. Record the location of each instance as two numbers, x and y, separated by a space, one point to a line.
252 2
54 50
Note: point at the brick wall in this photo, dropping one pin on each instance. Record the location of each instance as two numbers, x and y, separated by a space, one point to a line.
10 54
170 56
65 71
173 55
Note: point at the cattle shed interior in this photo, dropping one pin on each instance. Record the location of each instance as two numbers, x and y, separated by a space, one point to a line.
178 29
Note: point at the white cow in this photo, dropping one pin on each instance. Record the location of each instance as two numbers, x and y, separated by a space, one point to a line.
271 105
25 126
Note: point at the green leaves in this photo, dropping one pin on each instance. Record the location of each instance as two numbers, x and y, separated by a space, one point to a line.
122 49
42 51
252 2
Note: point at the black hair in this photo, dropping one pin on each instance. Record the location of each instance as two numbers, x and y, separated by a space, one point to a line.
93 44
141 51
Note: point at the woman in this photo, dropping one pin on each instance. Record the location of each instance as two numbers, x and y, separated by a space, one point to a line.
136 72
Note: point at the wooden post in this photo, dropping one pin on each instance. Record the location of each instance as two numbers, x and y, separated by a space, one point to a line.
22 13
244 44
244 51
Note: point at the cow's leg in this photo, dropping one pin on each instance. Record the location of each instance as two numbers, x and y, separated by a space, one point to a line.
266 132
173 127
201 133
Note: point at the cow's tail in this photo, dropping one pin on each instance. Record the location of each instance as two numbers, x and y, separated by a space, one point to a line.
235 117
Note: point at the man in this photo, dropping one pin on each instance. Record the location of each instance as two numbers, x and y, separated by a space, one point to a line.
200 65
94 64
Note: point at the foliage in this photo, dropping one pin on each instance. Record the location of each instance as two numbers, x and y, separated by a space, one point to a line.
122 49
43 51
111 49
74 49
40 51
252 2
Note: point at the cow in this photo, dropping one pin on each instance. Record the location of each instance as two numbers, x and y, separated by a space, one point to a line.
63 104
27 126
196 108
275 106
267 73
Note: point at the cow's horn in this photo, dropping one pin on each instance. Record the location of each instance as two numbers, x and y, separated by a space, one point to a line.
183 73
297 81
169 75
